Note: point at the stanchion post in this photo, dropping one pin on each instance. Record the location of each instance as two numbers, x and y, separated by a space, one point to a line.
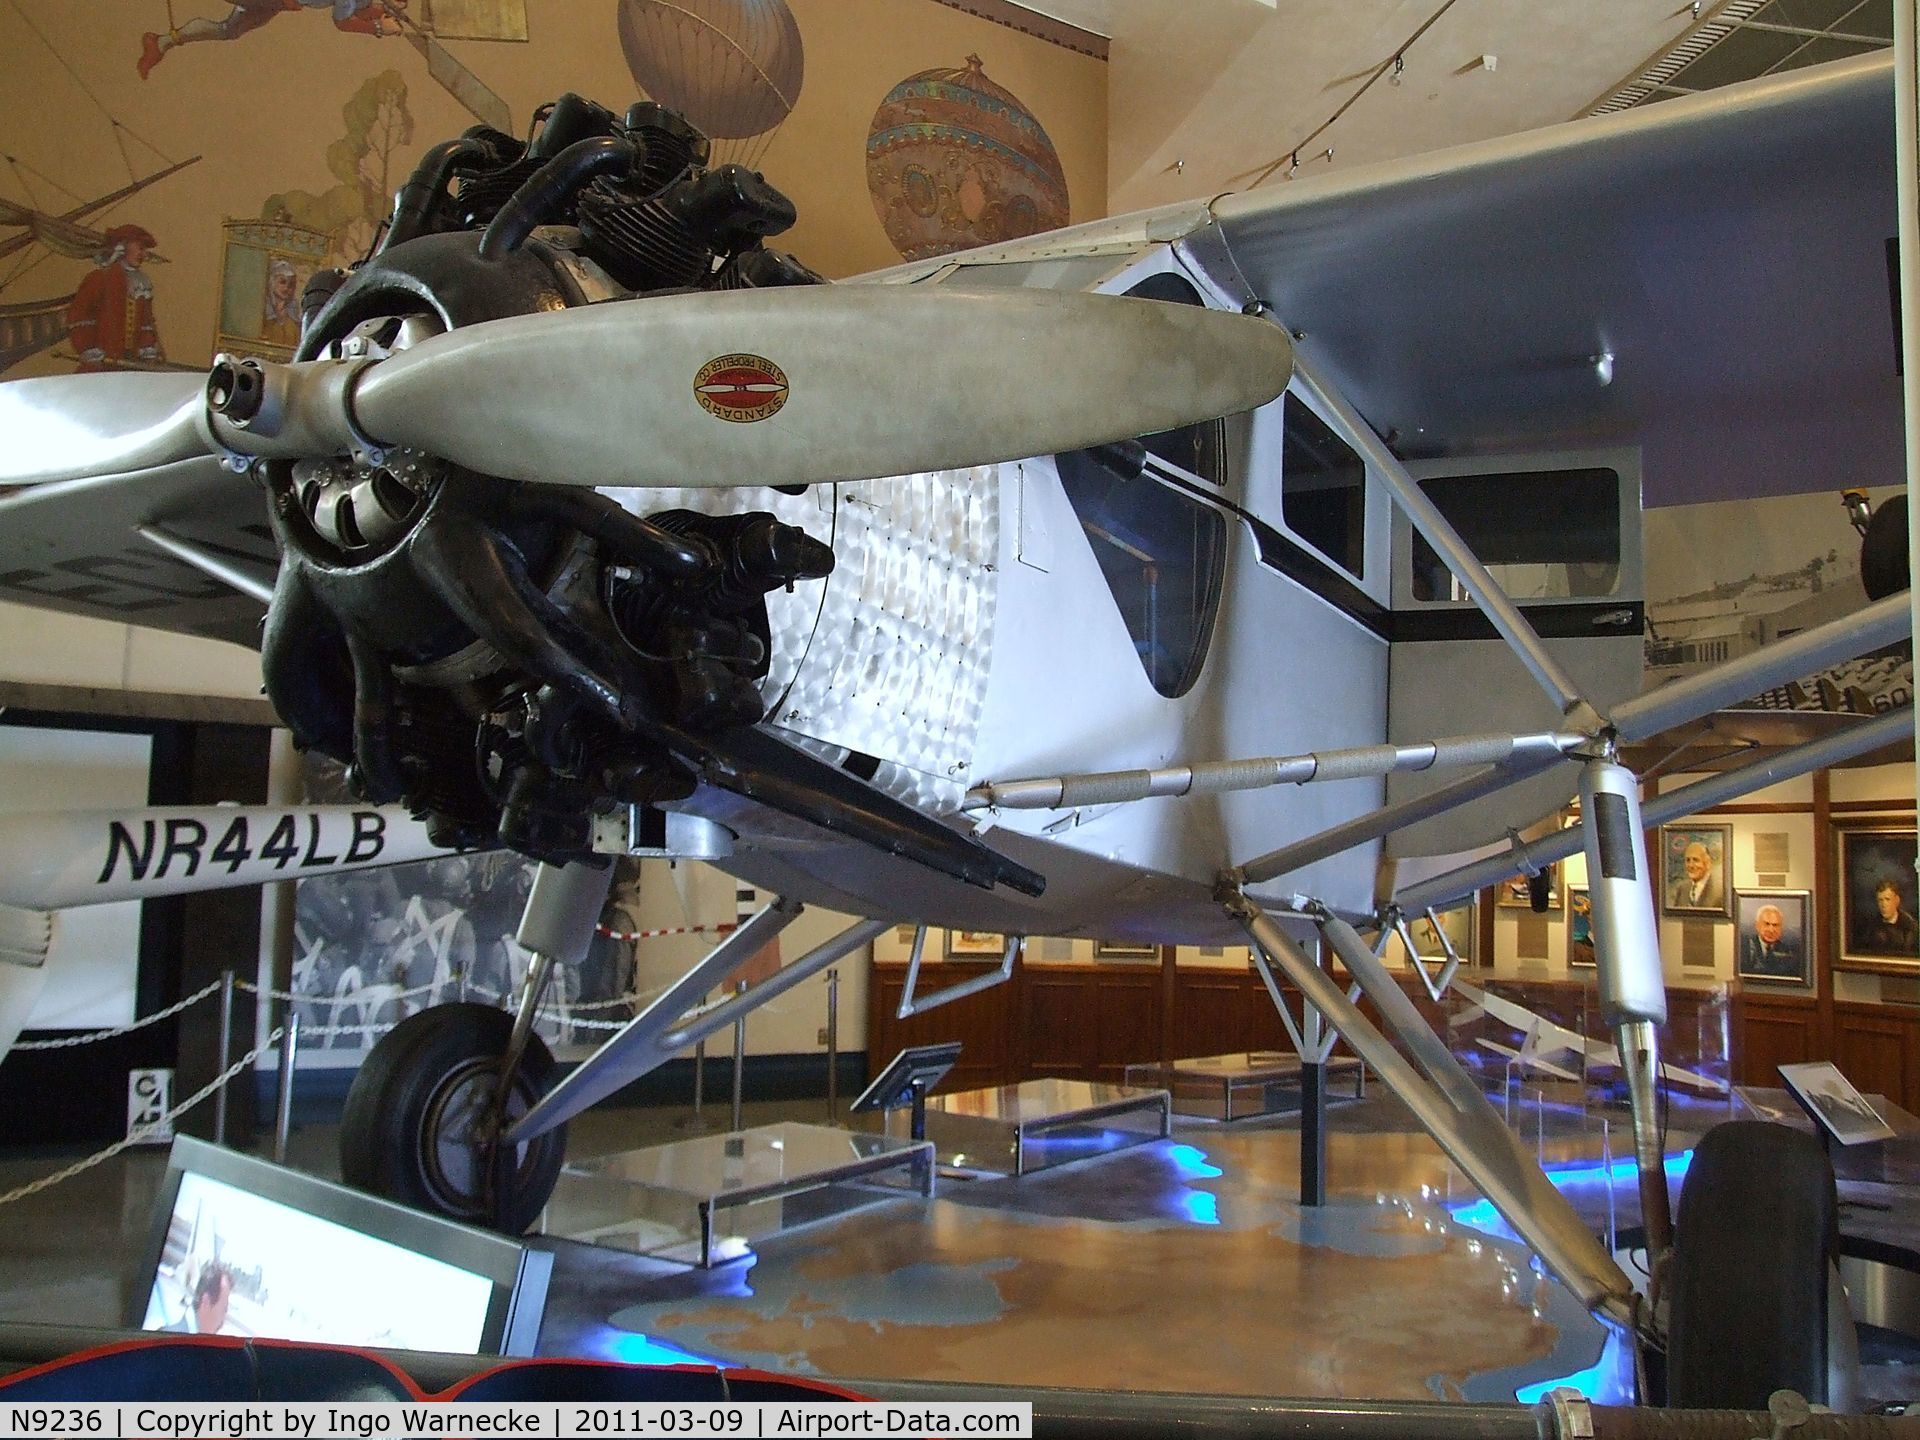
283 1115
739 1057
833 1045
225 1057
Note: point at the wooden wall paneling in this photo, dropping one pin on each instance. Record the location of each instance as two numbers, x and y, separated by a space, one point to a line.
1877 1050
1061 1022
1213 1013
1127 1010
1769 1032
1826 912
983 1024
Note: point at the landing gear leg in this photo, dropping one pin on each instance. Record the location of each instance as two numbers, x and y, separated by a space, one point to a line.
424 1121
1633 991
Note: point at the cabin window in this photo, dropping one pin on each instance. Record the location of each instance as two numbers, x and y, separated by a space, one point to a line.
1544 535
1162 552
1323 488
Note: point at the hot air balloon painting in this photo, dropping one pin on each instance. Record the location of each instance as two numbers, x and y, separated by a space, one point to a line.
732 67
954 160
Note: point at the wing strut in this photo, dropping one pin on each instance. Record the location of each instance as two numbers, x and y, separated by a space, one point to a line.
1445 1100
1451 888
911 1004
666 1027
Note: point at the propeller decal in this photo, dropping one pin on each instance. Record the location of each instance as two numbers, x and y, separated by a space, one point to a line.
741 388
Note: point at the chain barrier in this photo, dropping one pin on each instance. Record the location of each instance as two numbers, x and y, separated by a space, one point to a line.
71 1040
722 928
34 1187
292 997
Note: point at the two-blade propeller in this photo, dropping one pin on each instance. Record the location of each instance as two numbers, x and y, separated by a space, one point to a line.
791 386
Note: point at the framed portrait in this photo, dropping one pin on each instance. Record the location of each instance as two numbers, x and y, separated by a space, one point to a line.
1580 951
1773 936
1458 925
1694 878
975 944
1124 950
1512 893
1877 897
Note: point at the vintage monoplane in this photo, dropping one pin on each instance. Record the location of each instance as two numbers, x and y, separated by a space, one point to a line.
1233 564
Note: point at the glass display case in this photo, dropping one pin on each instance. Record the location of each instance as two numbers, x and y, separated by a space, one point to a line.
1235 1087
704 1200
1017 1129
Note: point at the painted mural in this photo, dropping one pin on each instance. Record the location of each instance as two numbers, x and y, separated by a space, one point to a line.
954 160
172 170
732 67
1727 577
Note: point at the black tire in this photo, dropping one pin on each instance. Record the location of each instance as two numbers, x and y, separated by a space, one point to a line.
400 1133
1756 1239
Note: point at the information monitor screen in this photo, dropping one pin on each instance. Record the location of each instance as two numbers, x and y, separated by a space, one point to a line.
244 1247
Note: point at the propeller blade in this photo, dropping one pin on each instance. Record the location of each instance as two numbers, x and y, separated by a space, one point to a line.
70 427
813 384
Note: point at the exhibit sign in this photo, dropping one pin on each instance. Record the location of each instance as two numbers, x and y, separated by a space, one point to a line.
1841 1111
149 1098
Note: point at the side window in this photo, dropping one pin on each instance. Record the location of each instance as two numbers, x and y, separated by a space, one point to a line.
1544 535
1323 488
1161 552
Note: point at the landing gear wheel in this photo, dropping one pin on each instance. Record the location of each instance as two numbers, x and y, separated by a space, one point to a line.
1754 1306
410 1127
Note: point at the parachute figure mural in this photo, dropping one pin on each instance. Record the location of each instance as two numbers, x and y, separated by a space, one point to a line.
954 160
732 67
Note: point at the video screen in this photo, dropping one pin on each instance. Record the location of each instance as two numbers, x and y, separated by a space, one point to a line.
233 1263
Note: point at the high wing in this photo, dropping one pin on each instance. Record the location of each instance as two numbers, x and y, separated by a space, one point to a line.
108 547
1727 252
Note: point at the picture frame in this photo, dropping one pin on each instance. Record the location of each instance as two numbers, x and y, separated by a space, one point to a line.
1512 893
975 945
1873 873
1124 950
1695 874
1779 951
1581 954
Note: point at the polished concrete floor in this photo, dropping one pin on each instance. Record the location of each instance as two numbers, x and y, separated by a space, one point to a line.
1181 1265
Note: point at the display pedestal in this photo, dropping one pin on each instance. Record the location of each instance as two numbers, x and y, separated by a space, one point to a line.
1017 1129
703 1201
1234 1087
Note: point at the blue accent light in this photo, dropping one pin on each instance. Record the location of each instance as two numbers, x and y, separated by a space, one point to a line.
1192 1162
631 1348
1202 1206
1609 1380
1480 1214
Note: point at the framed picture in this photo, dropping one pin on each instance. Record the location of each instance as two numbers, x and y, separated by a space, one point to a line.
1839 1109
1877 905
1580 952
1512 893
1457 923
1124 950
1773 935
1693 870
968 944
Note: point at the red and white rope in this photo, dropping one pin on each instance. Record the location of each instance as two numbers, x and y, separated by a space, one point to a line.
720 929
